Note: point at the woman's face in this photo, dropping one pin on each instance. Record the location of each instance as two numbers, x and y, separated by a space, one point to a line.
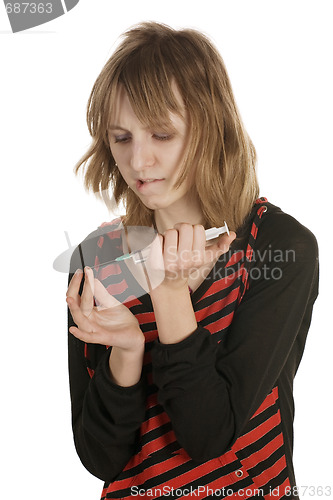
148 160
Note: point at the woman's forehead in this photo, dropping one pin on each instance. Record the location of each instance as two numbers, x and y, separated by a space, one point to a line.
122 108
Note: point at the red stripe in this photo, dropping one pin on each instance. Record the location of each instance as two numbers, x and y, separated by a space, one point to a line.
132 301
152 401
109 270
262 199
117 288
254 230
257 433
152 471
280 491
151 336
249 252
114 235
221 323
217 306
263 453
159 443
145 317
223 283
235 258
273 471
269 400
154 422
261 211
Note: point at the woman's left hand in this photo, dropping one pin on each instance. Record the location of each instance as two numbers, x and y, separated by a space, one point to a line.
109 323
182 250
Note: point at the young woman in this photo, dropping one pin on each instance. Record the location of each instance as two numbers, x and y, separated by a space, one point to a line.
182 365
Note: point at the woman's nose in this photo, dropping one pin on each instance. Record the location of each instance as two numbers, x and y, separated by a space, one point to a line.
142 156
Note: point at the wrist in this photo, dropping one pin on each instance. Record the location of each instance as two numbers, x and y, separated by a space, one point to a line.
126 365
174 314
171 288
137 344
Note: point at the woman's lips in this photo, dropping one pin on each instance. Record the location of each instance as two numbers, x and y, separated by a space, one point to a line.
142 185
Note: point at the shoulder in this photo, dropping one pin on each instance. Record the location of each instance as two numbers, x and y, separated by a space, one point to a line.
281 231
284 253
111 225
86 252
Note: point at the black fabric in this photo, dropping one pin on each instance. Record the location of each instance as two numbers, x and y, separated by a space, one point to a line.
222 385
209 389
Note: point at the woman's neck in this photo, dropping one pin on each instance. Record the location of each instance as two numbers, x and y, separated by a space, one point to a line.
166 218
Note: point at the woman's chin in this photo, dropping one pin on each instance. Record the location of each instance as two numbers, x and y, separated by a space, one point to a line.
154 202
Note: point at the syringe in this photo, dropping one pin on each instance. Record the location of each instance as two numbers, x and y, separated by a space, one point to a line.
211 234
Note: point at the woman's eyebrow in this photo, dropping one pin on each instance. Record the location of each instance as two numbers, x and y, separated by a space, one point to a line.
166 126
116 127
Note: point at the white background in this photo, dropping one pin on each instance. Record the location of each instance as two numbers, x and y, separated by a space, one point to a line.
278 55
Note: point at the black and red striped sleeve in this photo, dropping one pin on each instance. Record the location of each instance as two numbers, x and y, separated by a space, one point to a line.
106 418
210 390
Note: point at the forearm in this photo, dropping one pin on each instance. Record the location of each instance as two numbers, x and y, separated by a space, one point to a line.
194 395
126 367
105 416
174 314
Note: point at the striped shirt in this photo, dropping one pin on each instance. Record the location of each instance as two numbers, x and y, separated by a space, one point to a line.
212 416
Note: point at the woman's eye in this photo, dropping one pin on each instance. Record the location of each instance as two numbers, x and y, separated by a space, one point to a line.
163 137
121 138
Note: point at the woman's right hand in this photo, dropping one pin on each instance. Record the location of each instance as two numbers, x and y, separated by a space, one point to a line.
110 323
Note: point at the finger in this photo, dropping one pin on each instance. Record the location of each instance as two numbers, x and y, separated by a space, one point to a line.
87 297
178 225
74 286
98 336
170 249
105 299
79 318
185 245
89 337
199 243
154 265
225 241
155 256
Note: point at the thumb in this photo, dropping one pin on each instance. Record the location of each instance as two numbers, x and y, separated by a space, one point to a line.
105 299
221 246
225 241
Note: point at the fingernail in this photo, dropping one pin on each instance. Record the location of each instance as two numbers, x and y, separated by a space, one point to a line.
78 271
86 269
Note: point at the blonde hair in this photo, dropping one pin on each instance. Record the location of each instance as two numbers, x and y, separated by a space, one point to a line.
150 58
